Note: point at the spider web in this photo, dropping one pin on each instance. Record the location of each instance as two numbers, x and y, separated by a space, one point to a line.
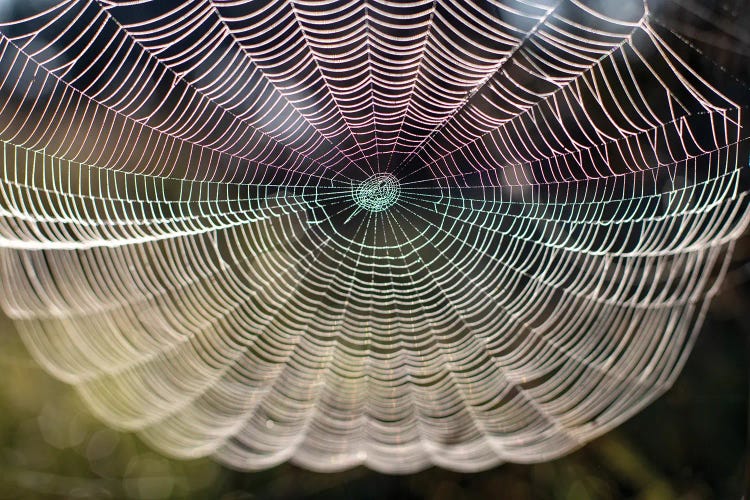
362 232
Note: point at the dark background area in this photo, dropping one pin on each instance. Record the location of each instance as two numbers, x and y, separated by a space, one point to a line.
692 443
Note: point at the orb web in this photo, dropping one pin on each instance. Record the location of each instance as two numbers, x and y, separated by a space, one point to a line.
362 232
